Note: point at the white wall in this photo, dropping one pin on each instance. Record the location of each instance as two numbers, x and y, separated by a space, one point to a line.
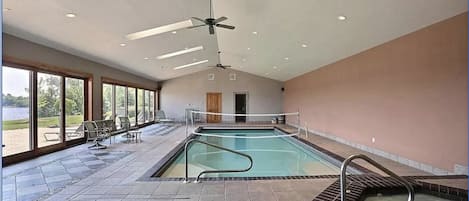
264 95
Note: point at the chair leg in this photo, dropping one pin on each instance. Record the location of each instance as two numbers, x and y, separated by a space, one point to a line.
97 145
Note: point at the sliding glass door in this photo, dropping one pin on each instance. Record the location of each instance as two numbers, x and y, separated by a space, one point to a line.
40 109
74 108
132 105
123 101
49 109
140 106
16 130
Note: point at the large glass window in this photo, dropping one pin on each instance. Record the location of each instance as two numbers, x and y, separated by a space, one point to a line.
152 105
16 131
40 109
121 103
131 105
147 106
107 101
49 109
74 108
140 106
136 103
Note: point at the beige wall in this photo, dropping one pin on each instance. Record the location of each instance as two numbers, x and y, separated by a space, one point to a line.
410 94
264 95
26 50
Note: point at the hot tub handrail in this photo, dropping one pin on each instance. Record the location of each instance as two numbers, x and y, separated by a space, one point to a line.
186 179
343 176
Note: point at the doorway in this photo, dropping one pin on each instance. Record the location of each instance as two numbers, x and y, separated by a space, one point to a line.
214 105
240 107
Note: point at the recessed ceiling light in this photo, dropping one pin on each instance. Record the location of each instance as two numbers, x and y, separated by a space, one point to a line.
286 58
70 15
267 73
275 67
304 45
249 48
177 53
243 59
254 32
6 9
159 30
191 64
341 17
122 44
146 58
174 32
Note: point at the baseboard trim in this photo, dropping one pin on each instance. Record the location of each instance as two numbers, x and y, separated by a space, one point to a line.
457 170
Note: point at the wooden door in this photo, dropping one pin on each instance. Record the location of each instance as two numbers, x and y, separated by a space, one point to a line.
214 105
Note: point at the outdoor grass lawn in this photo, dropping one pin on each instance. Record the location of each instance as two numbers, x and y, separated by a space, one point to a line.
72 120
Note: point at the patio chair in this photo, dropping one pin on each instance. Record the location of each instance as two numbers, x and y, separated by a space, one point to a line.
94 133
160 117
127 126
69 132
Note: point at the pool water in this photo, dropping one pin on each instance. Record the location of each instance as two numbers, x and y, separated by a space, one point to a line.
281 156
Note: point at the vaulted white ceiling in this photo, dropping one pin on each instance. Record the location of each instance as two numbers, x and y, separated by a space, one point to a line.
282 27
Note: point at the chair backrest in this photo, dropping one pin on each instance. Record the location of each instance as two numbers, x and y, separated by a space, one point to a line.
125 123
109 124
90 128
80 128
160 115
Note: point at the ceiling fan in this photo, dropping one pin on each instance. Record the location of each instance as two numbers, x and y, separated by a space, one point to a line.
212 23
219 65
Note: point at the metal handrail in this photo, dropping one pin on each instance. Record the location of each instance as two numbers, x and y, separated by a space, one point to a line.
186 180
343 176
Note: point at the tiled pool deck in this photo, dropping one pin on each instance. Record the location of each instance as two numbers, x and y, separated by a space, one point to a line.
118 180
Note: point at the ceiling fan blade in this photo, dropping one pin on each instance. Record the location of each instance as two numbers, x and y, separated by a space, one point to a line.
220 19
211 30
196 26
228 66
225 26
196 18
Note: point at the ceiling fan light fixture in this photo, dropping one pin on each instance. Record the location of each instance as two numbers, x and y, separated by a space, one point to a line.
180 52
159 30
189 65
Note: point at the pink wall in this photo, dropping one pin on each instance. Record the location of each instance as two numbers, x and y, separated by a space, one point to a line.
409 93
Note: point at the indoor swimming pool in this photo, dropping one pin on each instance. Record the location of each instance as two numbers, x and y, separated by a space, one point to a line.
276 156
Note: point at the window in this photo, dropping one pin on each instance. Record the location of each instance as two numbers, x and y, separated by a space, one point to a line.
140 106
147 106
107 101
16 130
49 107
136 103
152 105
74 107
121 103
131 105
42 110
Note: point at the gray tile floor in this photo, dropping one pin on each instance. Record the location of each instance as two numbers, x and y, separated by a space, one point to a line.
51 177
119 180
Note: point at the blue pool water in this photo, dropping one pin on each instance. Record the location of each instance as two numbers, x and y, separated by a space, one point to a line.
283 156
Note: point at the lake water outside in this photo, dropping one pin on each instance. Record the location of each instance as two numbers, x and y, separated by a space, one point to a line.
14 113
